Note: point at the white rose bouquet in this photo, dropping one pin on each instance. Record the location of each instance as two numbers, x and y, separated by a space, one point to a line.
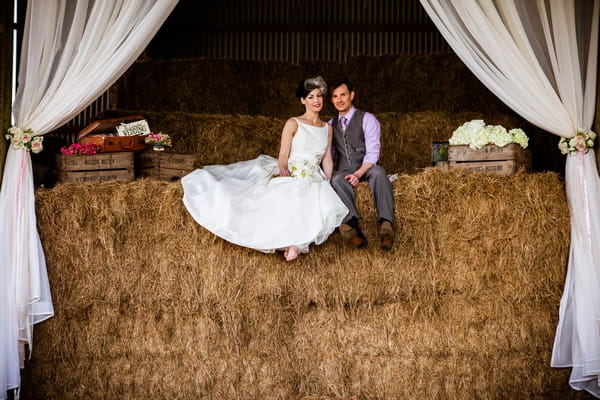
581 142
24 139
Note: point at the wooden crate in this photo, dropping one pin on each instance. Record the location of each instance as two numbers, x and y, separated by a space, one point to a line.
490 159
95 168
163 166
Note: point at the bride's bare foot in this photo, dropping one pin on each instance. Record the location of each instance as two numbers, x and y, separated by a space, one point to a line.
291 253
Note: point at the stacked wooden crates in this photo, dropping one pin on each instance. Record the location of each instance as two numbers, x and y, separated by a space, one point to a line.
123 166
163 166
493 159
115 159
96 168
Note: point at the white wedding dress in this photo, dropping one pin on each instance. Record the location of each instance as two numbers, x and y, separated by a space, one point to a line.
249 204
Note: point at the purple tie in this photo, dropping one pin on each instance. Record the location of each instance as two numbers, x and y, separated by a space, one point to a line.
343 122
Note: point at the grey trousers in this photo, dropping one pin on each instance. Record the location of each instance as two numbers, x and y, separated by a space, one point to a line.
381 188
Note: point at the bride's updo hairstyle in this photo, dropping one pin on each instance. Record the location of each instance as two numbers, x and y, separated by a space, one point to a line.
308 85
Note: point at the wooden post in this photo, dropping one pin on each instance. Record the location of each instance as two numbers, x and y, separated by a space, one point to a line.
596 124
6 55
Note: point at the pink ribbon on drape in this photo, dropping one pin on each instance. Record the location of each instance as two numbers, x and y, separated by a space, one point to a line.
586 204
20 183
17 225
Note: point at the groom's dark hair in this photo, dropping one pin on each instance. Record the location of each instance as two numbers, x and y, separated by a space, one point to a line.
343 80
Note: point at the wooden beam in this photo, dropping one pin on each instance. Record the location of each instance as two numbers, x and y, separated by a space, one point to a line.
6 55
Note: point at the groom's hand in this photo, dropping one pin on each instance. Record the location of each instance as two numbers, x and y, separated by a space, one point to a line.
352 179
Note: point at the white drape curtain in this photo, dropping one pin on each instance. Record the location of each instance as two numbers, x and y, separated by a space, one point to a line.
72 51
540 58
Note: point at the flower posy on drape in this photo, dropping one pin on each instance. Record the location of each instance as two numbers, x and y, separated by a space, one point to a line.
540 58
72 52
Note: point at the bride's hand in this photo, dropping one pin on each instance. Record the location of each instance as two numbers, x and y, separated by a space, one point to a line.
284 172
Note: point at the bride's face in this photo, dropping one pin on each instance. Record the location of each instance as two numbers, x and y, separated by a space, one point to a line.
313 101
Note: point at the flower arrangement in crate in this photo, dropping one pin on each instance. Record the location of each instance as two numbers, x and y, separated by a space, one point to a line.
580 143
158 140
488 148
88 149
24 139
476 134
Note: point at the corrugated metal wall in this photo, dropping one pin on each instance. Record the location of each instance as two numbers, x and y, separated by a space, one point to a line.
296 30
289 30
301 46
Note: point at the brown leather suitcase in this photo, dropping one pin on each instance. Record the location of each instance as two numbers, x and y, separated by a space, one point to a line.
103 132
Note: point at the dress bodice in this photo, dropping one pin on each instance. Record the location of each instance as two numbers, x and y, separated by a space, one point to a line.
308 147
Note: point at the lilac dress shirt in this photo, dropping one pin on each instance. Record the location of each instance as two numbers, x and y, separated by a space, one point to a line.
372 130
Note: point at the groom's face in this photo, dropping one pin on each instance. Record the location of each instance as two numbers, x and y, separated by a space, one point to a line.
342 98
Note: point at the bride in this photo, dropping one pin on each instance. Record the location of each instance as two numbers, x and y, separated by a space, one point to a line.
272 204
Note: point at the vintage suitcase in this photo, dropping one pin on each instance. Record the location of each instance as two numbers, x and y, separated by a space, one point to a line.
104 133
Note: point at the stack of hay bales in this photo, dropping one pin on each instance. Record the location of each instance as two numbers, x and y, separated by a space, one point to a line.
151 305
419 98
406 137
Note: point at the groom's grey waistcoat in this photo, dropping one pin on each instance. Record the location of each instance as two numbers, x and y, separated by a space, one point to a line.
350 144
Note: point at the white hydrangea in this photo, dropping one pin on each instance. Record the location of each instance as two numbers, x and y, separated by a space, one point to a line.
476 134
499 135
519 137
469 132
479 139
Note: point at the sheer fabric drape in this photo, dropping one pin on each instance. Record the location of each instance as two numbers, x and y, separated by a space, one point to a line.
72 52
540 58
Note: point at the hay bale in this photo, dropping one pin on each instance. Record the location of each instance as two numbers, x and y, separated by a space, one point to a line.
388 351
389 83
419 82
209 87
215 139
149 304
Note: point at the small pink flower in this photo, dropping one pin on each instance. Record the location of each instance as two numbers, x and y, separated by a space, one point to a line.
580 146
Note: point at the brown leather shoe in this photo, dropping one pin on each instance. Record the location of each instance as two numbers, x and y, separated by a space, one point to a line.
386 234
352 236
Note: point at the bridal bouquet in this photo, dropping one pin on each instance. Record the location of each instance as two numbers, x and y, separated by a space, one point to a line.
303 169
582 141
23 139
477 134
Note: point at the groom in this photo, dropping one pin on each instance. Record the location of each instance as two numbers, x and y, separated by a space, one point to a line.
356 143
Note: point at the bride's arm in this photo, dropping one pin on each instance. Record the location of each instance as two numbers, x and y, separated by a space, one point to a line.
289 130
327 162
